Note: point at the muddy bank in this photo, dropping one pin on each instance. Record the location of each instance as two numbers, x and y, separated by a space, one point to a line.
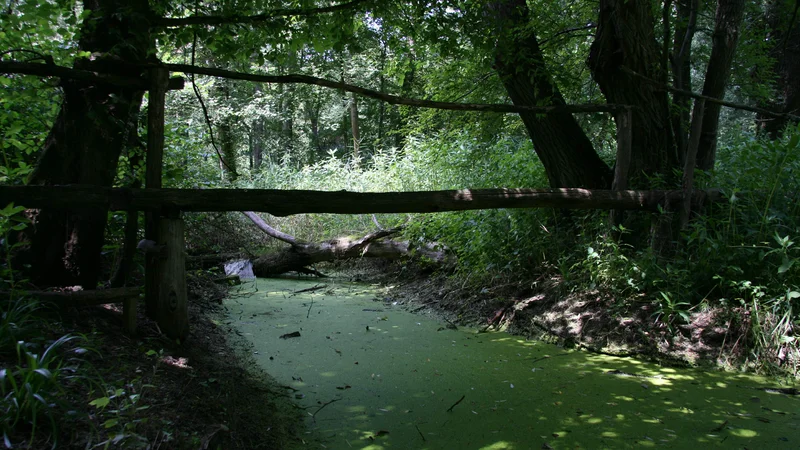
546 309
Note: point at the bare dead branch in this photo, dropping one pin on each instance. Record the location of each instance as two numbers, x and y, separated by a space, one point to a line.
279 235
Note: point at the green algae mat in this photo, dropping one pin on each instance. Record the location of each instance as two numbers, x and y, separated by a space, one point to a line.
371 375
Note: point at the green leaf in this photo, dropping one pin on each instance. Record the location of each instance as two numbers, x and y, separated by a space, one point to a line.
110 423
101 402
787 264
792 295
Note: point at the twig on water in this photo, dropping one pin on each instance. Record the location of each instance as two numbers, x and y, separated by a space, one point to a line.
450 409
309 307
324 405
311 289
420 433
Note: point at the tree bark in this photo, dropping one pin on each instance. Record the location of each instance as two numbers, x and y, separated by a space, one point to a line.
289 202
685 28
354 126
298 258
84 145
724 39
625 38
783 21
566 153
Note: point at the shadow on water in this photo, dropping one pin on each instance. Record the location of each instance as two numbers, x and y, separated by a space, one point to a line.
373 376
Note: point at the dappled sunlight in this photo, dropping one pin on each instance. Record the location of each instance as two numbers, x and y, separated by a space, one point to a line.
373 376
502 445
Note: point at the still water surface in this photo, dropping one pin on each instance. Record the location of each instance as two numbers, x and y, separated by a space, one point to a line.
371 375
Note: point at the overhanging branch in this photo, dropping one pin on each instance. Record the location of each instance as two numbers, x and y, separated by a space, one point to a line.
388 98
52 70
708 99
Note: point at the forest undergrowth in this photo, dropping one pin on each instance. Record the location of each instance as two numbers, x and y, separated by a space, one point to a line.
733 268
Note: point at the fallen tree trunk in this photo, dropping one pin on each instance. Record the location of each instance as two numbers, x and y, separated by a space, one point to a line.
299 255
298 258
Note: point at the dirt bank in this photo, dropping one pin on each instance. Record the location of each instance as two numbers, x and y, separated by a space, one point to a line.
547 309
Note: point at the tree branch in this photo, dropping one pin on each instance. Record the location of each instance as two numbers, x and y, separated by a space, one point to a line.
708 99
258 18
53 70
177 83
388 98
279 235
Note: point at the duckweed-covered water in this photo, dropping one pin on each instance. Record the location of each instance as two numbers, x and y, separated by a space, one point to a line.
371 375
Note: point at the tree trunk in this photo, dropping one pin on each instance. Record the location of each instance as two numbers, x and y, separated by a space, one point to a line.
84 145
566 153
298 258
625 39
257 143
354 126
685 28
784 34
724 39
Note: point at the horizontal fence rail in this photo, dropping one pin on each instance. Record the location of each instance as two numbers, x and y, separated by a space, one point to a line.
290 202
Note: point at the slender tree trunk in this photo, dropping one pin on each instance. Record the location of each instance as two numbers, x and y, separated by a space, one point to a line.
85 142
257 142
685 28
625 39
566 153
783 21
354 126
382 105
724 39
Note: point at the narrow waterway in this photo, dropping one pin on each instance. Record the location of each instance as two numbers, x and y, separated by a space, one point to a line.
371 375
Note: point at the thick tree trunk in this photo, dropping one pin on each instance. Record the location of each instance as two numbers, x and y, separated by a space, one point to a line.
84 145
625 39
783 20
566 153
724 39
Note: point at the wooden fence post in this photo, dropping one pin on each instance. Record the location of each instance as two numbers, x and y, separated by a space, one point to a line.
159 79
173 307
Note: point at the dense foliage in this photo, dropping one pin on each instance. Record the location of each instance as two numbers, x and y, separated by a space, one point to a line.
738 255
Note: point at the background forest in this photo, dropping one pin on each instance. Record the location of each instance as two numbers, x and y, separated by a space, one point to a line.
737 255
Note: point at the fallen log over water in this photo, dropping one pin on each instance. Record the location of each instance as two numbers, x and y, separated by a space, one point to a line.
299 255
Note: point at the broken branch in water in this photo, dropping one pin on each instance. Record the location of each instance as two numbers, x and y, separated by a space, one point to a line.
450 409
324 405
309 307
311 289
420 433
